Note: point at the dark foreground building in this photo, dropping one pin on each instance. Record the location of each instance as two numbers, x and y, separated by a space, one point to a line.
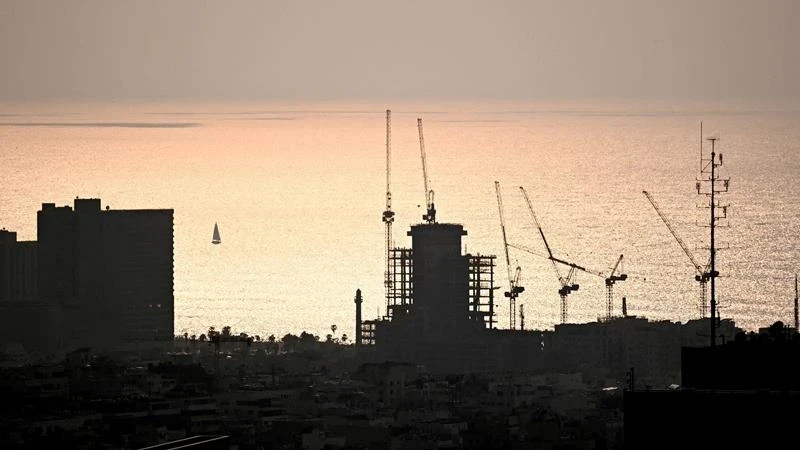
195 443
109 271
738 395
26 323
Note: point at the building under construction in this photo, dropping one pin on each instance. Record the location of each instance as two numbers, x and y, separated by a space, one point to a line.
440 308
444 279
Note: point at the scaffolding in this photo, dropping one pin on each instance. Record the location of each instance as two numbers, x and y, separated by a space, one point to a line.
480 269
481 288
401 287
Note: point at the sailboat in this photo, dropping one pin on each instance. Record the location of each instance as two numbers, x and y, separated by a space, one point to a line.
215 239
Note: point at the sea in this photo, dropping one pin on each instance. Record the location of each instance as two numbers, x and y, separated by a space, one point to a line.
298 189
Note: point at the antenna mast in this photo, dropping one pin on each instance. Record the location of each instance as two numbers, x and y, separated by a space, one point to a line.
388 214
709 172
701 146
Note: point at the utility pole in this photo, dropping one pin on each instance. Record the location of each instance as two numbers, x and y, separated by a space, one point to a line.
709 172
713 250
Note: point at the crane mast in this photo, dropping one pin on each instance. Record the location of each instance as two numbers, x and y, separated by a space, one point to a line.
514 289
610 280
430 214
388 214
703 275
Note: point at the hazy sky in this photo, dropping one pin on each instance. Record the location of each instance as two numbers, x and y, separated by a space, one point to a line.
326 49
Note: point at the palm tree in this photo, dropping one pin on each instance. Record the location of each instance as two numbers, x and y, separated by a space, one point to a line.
308 340
289 342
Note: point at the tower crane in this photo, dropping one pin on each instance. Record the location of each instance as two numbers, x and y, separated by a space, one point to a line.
610 280
567 283
388 214
514 289
430 214
703 272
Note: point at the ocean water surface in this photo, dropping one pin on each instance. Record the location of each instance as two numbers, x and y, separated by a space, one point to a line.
298 192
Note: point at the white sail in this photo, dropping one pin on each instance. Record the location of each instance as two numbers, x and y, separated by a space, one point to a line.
215 239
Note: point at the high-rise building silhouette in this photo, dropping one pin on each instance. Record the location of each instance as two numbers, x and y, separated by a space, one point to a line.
111 272
17 268
27 325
